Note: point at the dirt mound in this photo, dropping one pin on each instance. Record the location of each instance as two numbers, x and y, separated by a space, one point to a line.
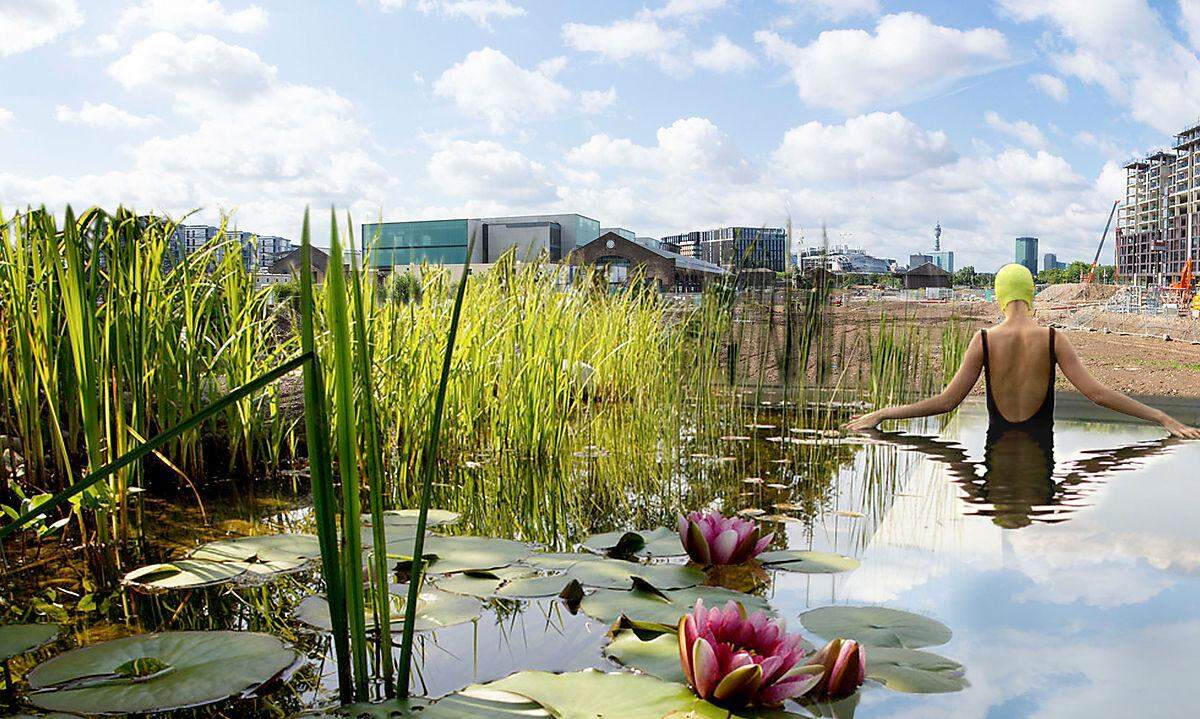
1076 292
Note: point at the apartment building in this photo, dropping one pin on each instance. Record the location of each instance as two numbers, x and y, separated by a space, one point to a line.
752 247
257 251
1158 224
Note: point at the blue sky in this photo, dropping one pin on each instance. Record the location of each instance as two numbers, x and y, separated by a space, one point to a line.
872 117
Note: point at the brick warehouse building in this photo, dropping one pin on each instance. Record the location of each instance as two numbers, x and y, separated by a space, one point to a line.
625 259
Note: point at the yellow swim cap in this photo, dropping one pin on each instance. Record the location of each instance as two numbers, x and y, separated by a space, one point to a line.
1014 282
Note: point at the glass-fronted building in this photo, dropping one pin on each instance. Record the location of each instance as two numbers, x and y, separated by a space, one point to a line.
1026 253
445 242
727 247
437 242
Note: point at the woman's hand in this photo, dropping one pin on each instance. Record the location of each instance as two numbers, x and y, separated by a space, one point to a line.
1179 429
867 421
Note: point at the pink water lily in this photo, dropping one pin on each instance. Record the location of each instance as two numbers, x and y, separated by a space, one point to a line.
845 666
710 538
736 660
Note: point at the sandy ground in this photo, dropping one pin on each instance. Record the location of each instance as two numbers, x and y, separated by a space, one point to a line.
1136 354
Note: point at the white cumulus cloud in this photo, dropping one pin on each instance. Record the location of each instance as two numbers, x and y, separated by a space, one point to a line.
907 57
637 38
482 12
487 169
6 117
1025 133
875 147
182 15
1126 49
488 83
26 24
724 56
104 115
195 71
1050 85
596 101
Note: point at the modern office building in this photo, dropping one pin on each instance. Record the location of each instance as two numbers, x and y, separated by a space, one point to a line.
445 242
944 259
1158 223
257 251
1050 262
844 259
621 231
1026 253
729 247
915 261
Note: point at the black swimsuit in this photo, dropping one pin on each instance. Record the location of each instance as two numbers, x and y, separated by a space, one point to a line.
1042 419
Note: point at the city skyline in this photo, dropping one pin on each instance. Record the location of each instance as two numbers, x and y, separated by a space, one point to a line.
875 119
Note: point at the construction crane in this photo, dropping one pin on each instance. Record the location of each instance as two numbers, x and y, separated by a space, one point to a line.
1091 276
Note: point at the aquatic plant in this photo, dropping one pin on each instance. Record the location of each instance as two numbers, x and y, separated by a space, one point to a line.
735 659
710 538
845 669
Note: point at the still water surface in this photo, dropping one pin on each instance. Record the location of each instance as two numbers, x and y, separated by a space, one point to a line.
1071 583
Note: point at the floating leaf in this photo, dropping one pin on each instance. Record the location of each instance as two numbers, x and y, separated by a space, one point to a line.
408 518
876 626
463 554
534 587
619 574
657 657
20 638
183 574
206 667
435 609
913 671
608 605
558 561
260 548
590 694
481 583
807 562
658 542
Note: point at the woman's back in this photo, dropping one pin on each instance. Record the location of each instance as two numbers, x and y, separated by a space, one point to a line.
1018 361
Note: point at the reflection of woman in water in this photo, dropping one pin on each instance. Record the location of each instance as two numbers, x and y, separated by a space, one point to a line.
1019 484
1017 358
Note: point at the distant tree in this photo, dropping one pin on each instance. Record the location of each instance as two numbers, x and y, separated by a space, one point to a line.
965 277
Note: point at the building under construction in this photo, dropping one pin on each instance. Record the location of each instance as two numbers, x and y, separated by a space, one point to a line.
1158 224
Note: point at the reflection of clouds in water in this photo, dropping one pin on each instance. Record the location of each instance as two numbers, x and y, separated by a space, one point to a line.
1093 617
1080 675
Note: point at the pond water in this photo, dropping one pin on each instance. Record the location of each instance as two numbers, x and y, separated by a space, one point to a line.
1071 596
1067 570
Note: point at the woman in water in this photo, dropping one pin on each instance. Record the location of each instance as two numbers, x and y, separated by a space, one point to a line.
1017 358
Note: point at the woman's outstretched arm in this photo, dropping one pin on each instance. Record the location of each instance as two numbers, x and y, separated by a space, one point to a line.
1104 396
949 398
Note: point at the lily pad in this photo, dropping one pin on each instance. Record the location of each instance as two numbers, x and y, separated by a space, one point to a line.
618 574
534 587
590 694
408 518
463 554
204 667
876 626
807 562
665 608
913 671
183 574
657 657
658 542
261 548
558 561
481 583
435 609
17 639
